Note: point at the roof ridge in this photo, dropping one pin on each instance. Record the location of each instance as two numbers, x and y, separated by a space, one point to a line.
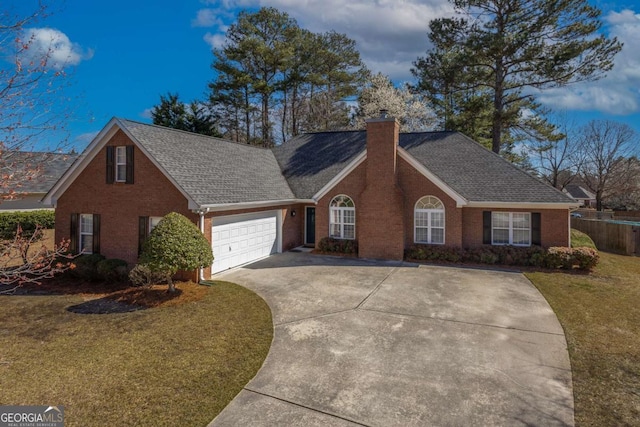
166 128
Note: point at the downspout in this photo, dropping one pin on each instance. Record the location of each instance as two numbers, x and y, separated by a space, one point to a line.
201 270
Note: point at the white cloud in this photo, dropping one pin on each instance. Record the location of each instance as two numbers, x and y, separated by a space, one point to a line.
390 34
53 46
146 113
618 92
214 40
86 138
205 18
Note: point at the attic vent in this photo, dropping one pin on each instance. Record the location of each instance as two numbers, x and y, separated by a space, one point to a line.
384 113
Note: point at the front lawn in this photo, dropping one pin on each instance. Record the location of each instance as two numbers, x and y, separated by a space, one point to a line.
166 366
600 314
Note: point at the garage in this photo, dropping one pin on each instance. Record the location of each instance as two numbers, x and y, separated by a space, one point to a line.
239 239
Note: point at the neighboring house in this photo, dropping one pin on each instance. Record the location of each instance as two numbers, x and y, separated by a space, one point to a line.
37 173
580 194
386 190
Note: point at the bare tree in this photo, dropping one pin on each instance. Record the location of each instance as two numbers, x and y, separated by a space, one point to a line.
32 83
606 149
558 161
25 259
32 107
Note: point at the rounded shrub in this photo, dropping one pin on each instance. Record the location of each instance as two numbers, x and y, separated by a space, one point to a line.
112 270
175 244
87 267
141 275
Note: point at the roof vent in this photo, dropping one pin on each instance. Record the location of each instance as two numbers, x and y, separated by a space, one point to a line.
384 113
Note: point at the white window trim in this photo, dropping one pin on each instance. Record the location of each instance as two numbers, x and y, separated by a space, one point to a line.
122 149
341 215
511 229
429 227
81 233
151 224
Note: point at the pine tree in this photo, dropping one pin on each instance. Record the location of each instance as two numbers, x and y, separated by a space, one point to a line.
506 50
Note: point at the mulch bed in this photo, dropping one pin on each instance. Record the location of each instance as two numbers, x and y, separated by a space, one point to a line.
104 306
108 298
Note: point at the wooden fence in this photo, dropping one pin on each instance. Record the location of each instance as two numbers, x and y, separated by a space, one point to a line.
610 236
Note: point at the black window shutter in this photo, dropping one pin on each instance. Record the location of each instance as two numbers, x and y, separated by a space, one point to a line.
129 179
486 227
96 234
536 226
73 238
110 165
143 231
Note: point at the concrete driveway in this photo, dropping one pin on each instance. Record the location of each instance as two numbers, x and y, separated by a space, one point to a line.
359 342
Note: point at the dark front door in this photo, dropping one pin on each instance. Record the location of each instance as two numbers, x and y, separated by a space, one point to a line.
310 226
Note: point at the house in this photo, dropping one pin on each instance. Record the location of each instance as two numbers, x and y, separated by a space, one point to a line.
37 172
385 189
583 196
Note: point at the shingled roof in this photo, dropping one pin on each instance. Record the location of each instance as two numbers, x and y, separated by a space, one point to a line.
51 167
212 170
310 161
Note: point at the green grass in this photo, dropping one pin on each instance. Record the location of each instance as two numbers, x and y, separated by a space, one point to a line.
600 314
168 366
580 239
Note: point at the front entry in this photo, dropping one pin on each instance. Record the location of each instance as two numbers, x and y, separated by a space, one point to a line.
310 226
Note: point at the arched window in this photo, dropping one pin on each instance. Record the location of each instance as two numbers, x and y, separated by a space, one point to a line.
342 218
429 221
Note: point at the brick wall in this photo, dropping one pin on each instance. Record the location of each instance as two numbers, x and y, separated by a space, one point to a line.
415 186
554 228
119 204
381 215
351 186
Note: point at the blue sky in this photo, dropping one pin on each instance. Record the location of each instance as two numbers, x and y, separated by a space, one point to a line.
128 53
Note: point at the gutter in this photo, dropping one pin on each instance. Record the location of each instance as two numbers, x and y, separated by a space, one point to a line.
202 212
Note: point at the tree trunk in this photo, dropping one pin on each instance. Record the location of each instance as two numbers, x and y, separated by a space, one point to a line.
247 116
172 286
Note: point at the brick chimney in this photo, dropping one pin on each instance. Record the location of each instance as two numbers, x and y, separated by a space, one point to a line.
380 220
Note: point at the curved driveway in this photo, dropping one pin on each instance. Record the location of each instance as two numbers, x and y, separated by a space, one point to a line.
360 342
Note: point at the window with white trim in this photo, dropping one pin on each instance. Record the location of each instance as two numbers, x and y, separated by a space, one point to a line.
153 221
342 218
428 219
86 233
511 228
121 164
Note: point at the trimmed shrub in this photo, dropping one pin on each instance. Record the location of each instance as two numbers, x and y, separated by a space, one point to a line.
535 256
175 244
141 275
559 257
112 270
342 246
27 220
87 267
586 258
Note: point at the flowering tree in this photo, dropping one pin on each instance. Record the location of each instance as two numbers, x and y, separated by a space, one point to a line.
32 107
32 82
25 259
410 109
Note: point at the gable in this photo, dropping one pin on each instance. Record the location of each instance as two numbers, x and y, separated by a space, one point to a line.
207 171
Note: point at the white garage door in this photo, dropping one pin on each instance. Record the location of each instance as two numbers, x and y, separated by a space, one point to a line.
239 239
